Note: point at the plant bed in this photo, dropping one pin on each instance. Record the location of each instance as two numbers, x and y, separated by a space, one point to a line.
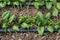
46 15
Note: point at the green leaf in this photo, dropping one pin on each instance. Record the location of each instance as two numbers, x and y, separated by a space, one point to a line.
30 20
36 5
45 22
24 25
40 30
22 0
54 1
41 3
38 23
16 3
58 5
16 27
8 3
39 16
50 29
58 23
6 15
2 4
55 12
12 18
57 26
48 15
48 5
22 19
58 30
51 22
5 25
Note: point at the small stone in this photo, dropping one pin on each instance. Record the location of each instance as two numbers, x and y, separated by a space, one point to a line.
19 39
13 36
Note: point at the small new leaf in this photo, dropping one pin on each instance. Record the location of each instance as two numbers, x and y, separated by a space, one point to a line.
50 29
56 26
36 5
40 30
39 16
12 18
16 27
58 5
48 5
5 25
48 15
16 3
55 12
24 25
22 19
6 15
2 4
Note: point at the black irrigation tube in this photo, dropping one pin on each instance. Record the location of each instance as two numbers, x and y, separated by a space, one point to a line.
30 4
27 3
23 30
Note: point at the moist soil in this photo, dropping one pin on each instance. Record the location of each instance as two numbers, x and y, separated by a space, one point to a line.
27 36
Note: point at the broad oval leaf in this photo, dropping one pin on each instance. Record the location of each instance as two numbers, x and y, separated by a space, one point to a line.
50 29
41 3
40 30
12 18
48 5
22 19
36 5
39 16
57 26
2 4
55 12
58 5
5 15
48 15
16 27
24 25
5 25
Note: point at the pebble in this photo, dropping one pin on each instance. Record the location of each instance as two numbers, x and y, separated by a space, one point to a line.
19 39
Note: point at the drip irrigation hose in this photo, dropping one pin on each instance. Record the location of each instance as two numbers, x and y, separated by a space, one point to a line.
23 30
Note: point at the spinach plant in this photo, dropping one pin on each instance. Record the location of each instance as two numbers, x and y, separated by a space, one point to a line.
38 4
16 27
40 30
58 5
11 19
6 15
48 5
2 4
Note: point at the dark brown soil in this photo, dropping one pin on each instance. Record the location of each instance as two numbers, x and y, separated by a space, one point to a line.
28 36
21 36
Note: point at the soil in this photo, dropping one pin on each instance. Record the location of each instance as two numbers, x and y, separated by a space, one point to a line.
28 36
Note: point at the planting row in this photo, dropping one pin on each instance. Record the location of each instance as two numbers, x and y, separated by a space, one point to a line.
37 3
10 21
